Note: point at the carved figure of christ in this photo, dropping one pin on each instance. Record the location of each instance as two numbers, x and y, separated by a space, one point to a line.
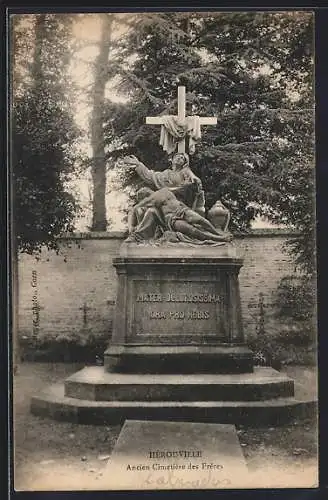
158 120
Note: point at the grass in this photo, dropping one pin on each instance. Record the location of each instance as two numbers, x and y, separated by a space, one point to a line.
57 455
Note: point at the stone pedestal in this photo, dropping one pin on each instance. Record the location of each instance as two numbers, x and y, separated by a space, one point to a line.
177 350
178 310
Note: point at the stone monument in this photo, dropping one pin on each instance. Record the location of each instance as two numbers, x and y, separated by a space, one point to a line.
177 349
178 305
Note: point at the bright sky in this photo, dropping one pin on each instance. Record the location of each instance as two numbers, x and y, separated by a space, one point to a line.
87 31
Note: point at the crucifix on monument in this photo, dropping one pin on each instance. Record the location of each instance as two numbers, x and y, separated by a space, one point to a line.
177 348
182 118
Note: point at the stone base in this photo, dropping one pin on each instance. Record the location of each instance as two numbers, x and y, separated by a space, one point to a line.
177 296
96 384
177 350
186 359
94 396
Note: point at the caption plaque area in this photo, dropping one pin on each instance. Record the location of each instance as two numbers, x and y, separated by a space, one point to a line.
172 307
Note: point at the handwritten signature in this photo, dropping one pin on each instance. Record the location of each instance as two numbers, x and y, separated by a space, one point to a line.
173 481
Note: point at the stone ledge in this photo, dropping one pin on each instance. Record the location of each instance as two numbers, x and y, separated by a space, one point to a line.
108 235
96 384
168 252
214 349
182 359
52 403
267 233
101 235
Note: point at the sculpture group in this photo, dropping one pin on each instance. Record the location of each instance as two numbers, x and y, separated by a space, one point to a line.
171 206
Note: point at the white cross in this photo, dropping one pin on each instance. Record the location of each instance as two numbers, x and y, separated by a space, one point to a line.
157 120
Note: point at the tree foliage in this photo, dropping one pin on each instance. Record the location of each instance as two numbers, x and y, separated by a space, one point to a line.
43 131
254 71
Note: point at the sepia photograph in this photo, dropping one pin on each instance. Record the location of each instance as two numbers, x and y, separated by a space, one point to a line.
163 250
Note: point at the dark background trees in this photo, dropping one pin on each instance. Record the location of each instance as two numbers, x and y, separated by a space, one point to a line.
254 71
43 134
43 139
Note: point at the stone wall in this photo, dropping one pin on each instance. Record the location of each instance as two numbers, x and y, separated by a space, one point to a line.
73 294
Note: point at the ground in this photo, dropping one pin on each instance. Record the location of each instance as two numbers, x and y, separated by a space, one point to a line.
58 455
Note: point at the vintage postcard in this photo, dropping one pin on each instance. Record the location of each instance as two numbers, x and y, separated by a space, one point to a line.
163 250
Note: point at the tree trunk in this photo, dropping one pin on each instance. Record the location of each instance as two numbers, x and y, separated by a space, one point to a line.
99 221
36 69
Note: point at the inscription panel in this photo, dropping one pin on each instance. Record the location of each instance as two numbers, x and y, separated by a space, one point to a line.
175 307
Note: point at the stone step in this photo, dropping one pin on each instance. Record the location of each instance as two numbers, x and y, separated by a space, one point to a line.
54 404
96 384
202 356
175 455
